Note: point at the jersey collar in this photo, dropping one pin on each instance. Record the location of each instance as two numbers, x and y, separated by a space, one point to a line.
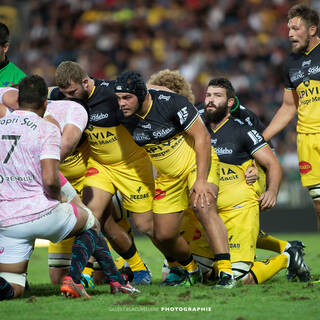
222 124
90 95
144 116
308 52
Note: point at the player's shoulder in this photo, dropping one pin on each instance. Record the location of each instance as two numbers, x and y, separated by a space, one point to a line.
166 96
107 85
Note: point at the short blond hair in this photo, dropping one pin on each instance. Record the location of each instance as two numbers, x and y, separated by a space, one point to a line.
174 81
68 71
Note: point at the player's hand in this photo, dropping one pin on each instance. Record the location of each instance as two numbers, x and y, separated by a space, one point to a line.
252 175
201 193
268 200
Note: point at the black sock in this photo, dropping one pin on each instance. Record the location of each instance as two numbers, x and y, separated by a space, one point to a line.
87 244
104 258
6 290
130 252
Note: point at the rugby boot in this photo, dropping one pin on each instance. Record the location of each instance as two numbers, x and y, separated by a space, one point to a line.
297 264
175 276
70 289
225 281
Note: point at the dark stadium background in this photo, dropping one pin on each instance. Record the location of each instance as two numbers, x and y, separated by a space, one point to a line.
245 41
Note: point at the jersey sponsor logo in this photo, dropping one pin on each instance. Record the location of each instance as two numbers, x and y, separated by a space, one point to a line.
197 234
296 76
159 194
228 174
146 126
238 120
213 141
255 136
141 137
162 132
104 83
98 116
16 178
309 92
139 196
306 63
314 70
164 148
248 121
304 167
183 115
221 150
163 97
91 171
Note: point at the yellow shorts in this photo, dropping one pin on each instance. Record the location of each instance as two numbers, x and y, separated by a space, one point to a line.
308 148
193 232
242 225
134 181
260 184
172 195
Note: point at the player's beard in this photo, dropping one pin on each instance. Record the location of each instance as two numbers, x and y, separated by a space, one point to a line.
84 95
304 46
217 115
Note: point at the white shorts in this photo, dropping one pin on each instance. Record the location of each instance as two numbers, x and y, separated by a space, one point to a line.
16 242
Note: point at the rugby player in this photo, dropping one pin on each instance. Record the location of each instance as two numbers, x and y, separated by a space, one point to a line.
30 199
173 80
241 211
302 95
170 129
116 163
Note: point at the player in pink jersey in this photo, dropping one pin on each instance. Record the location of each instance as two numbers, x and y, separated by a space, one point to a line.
30 197
8 97
72 118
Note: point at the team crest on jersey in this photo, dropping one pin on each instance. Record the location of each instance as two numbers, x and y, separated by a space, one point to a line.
304 167
159 194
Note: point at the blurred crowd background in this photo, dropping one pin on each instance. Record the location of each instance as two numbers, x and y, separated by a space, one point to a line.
246 41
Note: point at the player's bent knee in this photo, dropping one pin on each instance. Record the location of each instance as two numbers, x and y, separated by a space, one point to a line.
314 192
16 280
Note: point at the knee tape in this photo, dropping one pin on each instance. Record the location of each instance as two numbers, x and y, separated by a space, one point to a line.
314 192
17 278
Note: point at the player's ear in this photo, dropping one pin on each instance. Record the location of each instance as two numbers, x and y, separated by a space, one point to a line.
6 47
313 30
230 102
85 83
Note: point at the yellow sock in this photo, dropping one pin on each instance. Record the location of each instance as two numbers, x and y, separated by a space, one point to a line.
88 271
267 242
119 262
136 263
266 269
174 264
191 266
223 265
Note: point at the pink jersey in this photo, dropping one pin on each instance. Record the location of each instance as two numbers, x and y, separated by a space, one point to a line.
25 139
67 112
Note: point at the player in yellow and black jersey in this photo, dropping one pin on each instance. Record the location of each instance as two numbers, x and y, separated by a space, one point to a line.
302 95
115 163
169 128
238 203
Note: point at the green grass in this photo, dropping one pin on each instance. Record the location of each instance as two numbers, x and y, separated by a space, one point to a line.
276 299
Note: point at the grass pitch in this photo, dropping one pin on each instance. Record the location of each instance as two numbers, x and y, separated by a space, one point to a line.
276 299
